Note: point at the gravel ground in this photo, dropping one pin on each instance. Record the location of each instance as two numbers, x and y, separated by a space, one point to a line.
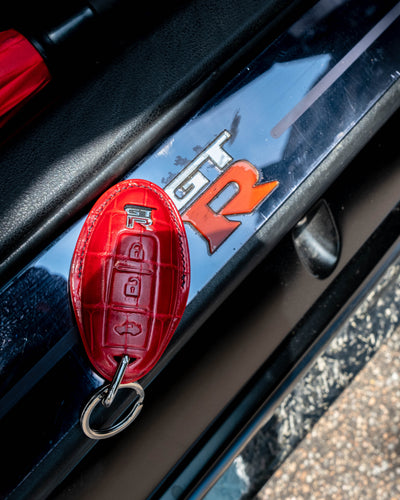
354 450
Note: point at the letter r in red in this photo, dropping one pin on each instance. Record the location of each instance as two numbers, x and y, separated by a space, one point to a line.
214 226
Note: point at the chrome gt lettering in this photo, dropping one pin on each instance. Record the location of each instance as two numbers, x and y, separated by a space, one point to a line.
202 208
190 181
135 213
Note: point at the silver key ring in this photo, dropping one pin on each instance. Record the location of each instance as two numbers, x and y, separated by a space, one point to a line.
106 395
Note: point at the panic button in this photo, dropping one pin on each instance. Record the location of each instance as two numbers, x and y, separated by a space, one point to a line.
129 279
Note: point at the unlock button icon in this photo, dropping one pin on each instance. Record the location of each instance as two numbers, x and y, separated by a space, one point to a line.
132 288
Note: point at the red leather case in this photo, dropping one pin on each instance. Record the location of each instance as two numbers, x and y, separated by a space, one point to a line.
129 278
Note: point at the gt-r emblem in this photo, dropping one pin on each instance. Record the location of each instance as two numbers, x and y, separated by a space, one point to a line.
134 213
197 204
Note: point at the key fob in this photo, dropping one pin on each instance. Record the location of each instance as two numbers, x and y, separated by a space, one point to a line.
129 278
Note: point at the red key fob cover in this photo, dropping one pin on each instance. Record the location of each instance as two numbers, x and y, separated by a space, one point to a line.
129 278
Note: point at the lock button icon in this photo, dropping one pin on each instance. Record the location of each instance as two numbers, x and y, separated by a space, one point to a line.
136 251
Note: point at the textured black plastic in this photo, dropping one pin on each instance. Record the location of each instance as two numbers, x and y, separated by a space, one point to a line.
96 126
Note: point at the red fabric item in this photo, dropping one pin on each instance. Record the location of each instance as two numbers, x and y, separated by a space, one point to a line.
23 73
